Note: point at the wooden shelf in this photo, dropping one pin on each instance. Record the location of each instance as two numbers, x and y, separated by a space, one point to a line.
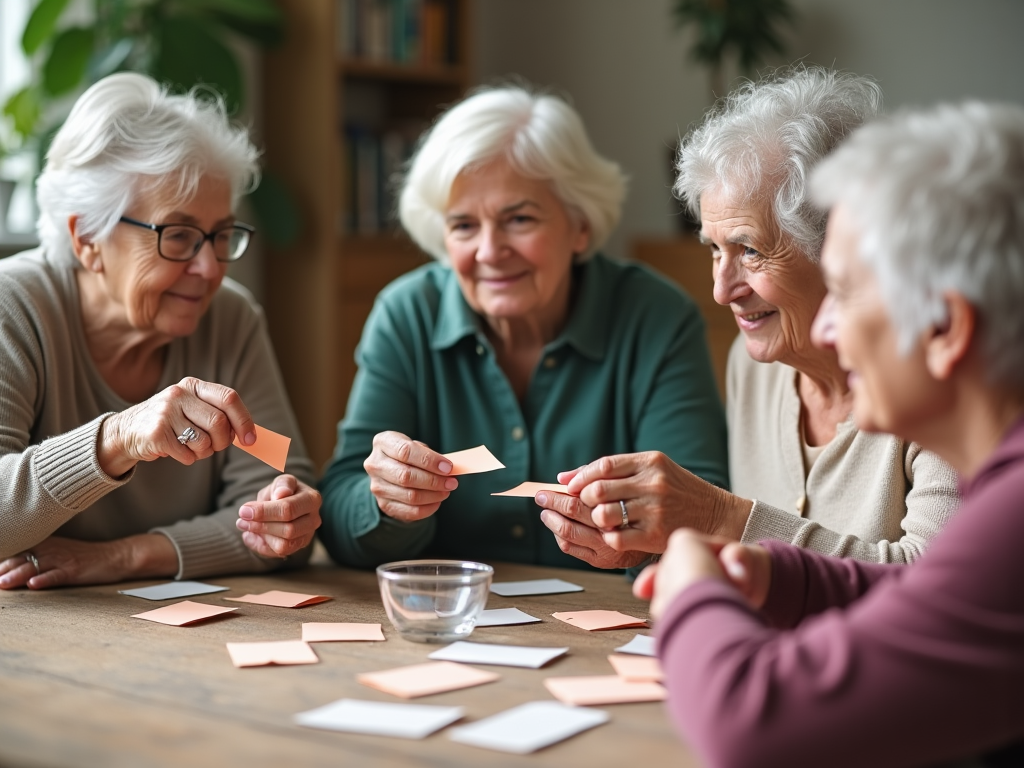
388 71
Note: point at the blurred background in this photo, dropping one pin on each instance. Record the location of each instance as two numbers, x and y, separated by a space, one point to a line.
336 92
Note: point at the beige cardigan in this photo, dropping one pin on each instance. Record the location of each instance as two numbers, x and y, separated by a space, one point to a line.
868 496
53 401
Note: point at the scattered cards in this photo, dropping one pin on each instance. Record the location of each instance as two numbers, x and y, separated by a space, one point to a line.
173 590
534 587
406 721
320 632
283 652
603 689
185 612
529 490
637 669
426 679
500 617
591 620
528 727
501 655
280 599
641 645
472 461
270 447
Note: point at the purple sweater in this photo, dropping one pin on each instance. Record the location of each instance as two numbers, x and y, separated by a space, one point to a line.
854 664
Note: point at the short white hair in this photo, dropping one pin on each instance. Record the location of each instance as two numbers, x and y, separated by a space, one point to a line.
938 199
539 135
126 136
761 141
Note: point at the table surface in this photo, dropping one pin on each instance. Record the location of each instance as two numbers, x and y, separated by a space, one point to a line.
83 683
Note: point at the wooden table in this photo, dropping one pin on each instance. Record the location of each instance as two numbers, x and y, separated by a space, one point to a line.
84 684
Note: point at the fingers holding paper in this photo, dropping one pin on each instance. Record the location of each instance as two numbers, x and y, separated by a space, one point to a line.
282 520
569 520
408 479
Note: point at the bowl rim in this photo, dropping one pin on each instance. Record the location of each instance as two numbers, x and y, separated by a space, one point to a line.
475 570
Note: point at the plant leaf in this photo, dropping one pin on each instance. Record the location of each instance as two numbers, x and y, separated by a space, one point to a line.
108 60
65 66
190 54
259 11
23 109
40 24
275 211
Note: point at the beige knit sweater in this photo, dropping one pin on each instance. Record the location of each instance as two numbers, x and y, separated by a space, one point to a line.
53 401
868 496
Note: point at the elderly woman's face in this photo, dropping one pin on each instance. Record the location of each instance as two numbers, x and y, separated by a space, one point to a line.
892 392
511 243
166 297
772 288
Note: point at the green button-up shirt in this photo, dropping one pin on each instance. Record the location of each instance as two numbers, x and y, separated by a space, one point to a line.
629 372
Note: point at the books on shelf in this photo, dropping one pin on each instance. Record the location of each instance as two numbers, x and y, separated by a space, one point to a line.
372 164
398 31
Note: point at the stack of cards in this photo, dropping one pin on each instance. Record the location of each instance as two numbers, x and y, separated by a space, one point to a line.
183 613
280 599
592 620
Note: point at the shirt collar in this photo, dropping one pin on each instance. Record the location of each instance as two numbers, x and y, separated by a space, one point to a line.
586 331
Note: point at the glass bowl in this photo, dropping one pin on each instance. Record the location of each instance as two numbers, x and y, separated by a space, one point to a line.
434 601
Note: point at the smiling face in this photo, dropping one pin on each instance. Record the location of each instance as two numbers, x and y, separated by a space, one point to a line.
511 243
771 287
150 293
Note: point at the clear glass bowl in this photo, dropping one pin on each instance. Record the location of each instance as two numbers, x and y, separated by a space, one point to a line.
434 601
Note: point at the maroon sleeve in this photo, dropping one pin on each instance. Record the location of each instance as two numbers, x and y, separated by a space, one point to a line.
926 666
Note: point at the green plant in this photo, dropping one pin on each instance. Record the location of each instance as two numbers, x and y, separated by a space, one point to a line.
746 29
179 42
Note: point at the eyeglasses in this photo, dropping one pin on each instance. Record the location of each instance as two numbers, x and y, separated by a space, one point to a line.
181 242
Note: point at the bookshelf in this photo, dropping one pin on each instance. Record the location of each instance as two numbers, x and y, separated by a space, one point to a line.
344 98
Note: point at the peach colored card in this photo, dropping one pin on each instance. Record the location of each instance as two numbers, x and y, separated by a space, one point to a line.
591 620
270 447
637 669
262 654
603 689
425 679
532 489
321 632
185 612
473 460
281 599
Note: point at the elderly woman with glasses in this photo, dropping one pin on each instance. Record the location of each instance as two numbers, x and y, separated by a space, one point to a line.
129 363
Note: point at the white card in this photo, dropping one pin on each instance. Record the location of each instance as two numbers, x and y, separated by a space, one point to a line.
407 721
534 587
173 590
501 655
641 645
500 617
529 727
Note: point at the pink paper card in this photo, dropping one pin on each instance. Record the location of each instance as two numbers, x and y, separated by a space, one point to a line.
281 599
185 612
591 620
473 460
532 489
283 652
321 632
604 689
637 669
425 679
270 447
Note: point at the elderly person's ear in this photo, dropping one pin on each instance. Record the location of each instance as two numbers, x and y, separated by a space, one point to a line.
949 343
85 249
582 236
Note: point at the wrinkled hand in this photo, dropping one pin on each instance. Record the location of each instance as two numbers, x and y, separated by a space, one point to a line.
660 497
691 557
66 562
150 430
570 520
408 480
282 520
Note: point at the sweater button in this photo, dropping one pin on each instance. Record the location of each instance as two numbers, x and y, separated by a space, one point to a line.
517 433
801 503
550 362
518 531
480 349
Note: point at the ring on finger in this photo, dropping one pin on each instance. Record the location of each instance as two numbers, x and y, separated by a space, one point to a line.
188 436
625 514
31 558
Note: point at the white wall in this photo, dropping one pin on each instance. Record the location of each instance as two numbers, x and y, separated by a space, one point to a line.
626 68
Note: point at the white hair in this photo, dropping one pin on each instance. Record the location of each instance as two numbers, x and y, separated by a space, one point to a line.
761 142
125 136
539 135
938 198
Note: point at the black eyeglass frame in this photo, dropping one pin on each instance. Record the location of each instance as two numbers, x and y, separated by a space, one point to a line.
159 229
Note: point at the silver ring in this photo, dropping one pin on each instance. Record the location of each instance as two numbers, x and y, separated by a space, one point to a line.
30 558
625 515
188 436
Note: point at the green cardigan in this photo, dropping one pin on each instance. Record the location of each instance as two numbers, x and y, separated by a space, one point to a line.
629 372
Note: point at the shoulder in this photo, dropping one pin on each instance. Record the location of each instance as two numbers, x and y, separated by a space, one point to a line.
31 285
422 286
